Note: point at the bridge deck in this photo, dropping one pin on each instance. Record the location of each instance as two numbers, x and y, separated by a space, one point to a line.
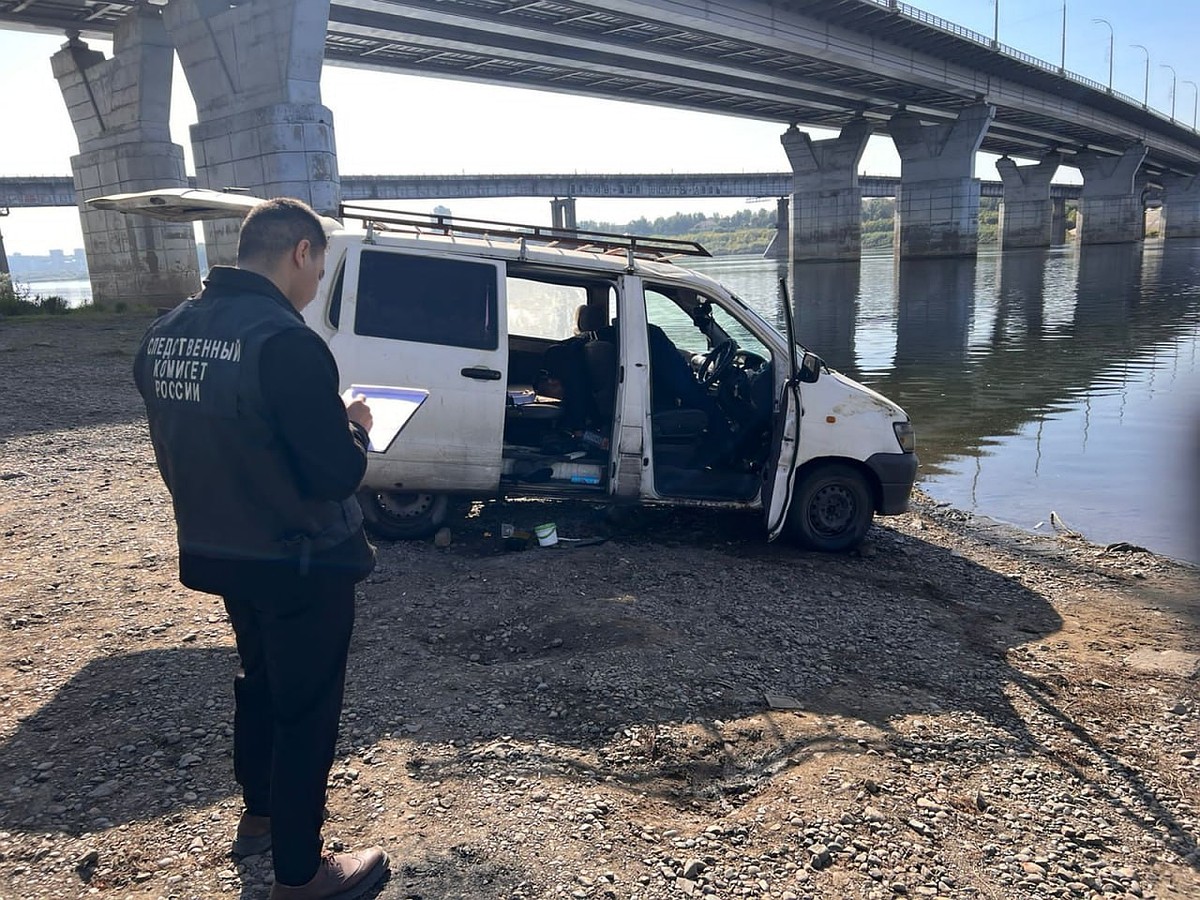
817 62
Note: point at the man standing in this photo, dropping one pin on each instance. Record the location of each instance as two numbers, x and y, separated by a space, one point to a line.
262 459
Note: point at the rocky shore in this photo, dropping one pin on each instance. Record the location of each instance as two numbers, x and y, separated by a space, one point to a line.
666 708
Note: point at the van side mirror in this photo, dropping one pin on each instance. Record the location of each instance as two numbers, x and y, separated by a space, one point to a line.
810 368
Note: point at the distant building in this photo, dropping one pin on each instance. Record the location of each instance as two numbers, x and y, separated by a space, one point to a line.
58 265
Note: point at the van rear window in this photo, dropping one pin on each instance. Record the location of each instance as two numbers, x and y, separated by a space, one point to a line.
429 301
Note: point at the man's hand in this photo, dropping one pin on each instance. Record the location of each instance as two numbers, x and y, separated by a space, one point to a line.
358 411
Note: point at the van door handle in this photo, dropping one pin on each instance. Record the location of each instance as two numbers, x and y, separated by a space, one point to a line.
482 373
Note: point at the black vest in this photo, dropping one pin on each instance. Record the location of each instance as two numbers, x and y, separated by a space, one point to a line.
231 483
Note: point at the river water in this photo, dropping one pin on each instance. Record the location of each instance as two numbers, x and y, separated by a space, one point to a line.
1062 380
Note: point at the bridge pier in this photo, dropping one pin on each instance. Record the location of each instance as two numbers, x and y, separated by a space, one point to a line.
562 213
120 108
1026 214
254 71
1181 206
780 245
1110 206
826 202
937 210
3 255
1058 221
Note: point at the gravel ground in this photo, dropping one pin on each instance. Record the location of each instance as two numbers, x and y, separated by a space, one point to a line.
675 709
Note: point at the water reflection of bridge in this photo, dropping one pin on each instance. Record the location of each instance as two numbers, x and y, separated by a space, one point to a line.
964 387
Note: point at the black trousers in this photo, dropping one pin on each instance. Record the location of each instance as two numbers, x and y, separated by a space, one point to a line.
293 636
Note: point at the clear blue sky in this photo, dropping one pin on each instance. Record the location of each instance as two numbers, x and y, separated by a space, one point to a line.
436 126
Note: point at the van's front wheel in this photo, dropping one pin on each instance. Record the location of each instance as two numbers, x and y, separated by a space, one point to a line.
403 515
832 509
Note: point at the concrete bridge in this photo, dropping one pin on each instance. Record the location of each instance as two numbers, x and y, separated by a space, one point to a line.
862 66
17 193
33 191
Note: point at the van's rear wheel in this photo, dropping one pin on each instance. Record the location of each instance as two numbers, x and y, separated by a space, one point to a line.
832 509
403 515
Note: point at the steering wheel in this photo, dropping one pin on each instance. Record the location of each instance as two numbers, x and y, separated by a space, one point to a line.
717 362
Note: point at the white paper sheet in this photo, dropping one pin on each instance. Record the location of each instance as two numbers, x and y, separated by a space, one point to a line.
391 408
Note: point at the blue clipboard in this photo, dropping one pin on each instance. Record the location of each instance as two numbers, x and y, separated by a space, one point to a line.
391 409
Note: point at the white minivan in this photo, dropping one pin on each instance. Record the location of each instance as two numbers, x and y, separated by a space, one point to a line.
574 364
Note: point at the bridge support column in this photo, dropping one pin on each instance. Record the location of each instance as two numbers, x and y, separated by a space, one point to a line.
254 72
562 213
120 109
937 210
780 245
826 202
3 256
1110 206
1026 216
1058 221
1181 206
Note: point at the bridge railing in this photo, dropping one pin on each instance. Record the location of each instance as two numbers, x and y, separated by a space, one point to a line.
936 21
983 40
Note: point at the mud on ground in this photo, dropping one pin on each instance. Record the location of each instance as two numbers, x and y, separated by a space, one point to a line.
960 710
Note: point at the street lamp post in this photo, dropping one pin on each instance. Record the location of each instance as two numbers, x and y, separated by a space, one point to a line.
1062 66
1195 101
996 26
1146 94
1174 84
1099 21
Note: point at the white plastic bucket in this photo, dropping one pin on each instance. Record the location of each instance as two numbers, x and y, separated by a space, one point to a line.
547 535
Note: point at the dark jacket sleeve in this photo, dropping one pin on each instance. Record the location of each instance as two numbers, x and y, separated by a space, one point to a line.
300 384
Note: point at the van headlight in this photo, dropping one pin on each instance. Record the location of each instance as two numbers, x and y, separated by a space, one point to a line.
906 436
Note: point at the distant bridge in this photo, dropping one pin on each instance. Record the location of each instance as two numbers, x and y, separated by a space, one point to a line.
16 193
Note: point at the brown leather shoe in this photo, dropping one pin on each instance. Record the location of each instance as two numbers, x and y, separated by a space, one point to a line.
341 877
253 835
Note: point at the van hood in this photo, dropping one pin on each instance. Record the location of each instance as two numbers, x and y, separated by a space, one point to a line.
864 393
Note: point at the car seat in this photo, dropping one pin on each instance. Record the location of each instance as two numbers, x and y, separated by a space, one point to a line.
590 320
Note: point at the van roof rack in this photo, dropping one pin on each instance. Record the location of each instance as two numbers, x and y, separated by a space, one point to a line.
563 238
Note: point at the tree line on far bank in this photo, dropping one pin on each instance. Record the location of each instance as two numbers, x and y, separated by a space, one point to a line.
749 231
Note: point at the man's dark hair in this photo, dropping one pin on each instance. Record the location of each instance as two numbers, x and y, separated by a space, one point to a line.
273 228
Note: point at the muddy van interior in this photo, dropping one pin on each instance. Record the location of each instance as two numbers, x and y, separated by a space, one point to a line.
711 389
712 397
562 381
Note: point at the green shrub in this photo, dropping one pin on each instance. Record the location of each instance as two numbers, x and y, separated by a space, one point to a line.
14 298
17 300
53 305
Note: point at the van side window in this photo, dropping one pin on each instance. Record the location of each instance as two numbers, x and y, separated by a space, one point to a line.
663 311
543 310
335 297
429 301
669 307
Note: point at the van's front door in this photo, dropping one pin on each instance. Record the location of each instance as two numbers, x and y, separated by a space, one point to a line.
437 323
779 475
